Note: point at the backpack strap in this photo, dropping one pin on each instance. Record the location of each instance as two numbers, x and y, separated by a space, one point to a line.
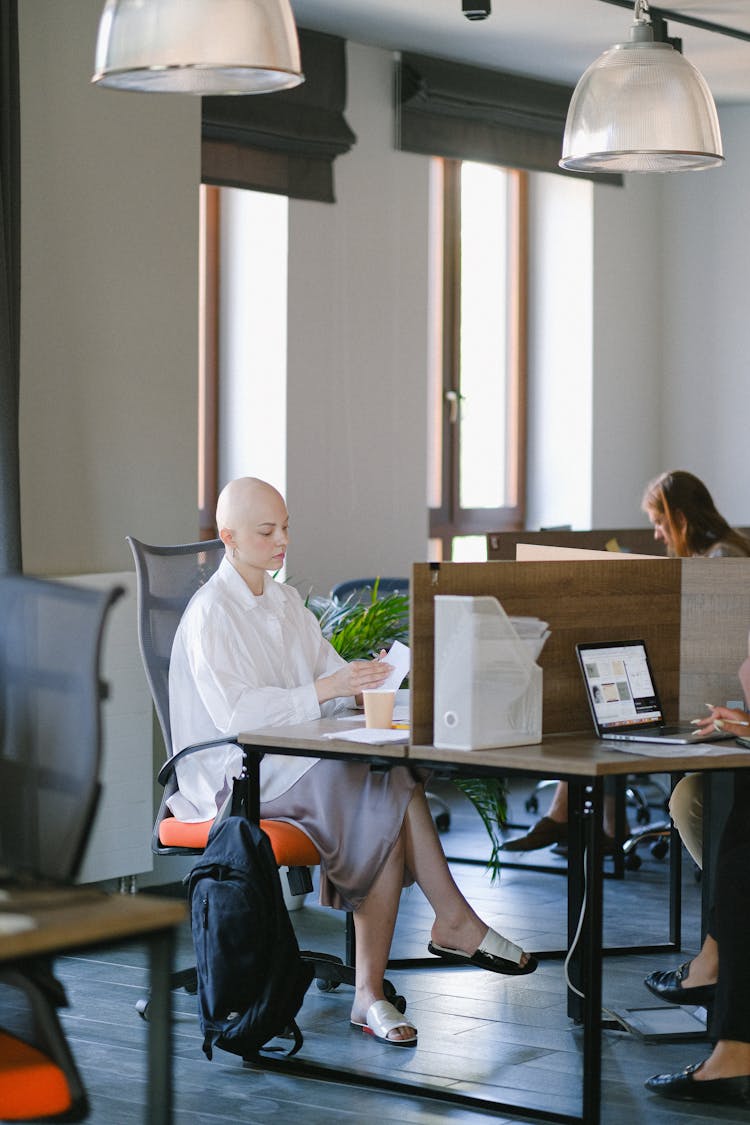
291 1031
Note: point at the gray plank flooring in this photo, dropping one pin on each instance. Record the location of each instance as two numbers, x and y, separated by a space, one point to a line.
488 1036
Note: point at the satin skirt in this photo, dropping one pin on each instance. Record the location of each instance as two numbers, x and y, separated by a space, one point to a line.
353 816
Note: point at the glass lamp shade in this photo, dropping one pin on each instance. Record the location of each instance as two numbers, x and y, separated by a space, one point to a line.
641 107
198 46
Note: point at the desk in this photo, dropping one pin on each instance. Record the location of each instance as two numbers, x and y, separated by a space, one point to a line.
583 762
69 919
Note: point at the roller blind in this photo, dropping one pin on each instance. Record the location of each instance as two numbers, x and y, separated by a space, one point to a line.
475 113
284 142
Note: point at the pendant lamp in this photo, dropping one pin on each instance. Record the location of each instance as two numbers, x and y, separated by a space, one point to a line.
641 107
198 46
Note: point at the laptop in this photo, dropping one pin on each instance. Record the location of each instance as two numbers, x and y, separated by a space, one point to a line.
623 699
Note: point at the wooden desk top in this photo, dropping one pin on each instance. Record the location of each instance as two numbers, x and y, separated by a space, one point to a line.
301 737
559 755
70 918
581 755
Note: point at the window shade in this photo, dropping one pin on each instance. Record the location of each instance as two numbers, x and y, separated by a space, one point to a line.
284 142
474 113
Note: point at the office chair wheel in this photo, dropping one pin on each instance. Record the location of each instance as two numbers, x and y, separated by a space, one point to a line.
659 849
531 804
325 984
443 821
142 1008
643 816
632 861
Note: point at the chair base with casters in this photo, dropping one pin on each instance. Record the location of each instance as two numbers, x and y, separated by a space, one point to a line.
657 835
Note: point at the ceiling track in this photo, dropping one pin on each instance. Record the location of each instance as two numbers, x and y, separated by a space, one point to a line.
690 21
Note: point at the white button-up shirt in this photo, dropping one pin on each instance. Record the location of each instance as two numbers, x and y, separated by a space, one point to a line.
240 662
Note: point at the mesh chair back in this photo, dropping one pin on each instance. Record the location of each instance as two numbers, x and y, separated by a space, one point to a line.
360 589
167 578
50 723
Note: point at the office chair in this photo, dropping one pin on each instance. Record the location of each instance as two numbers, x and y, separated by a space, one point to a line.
360 589
167 577
50 752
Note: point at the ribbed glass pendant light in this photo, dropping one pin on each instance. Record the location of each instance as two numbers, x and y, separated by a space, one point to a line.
641 107
198 46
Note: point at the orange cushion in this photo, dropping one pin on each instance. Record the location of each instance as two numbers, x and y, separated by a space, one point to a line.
291 846
174 833
30 1085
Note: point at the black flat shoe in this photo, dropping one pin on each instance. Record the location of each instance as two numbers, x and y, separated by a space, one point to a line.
683 1087
665 983
545 832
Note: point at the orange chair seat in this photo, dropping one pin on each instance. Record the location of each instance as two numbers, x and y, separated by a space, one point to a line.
291 846
31 1085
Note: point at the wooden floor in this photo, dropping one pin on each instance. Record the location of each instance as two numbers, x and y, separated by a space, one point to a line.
480 1033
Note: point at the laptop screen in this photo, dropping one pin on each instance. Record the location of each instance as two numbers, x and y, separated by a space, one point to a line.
620 685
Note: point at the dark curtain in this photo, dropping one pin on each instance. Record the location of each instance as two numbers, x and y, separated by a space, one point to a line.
10 288
284 142
474 113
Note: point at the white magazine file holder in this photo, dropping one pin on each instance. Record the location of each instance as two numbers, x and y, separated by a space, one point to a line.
488 688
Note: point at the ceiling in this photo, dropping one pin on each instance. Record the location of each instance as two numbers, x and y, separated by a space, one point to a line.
553 39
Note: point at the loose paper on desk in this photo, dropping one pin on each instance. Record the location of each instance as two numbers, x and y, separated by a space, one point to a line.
660 750
370 735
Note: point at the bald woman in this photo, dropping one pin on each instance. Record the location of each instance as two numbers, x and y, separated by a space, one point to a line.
248 654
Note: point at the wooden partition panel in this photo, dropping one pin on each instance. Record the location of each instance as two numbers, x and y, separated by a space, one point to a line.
633 540
638 540
714 631
607 600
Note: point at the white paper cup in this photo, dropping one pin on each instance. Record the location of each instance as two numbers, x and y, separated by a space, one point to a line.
379 708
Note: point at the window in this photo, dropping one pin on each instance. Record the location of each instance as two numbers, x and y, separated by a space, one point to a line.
242 385
478 408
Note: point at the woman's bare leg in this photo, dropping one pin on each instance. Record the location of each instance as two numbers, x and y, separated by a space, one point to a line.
729 1059
456 925
558 810
704 969
374 922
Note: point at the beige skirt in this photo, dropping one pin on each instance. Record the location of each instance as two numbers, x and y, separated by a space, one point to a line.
353 816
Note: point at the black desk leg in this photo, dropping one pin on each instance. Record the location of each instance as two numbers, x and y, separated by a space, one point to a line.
675 878
585 886
159 1103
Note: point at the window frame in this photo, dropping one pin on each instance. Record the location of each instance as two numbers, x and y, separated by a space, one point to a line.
450 520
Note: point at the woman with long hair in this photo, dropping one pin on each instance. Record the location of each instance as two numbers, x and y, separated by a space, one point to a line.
687 521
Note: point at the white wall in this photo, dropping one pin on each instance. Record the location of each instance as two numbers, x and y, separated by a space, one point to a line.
109 303
356 449
109 343
706 322
628 348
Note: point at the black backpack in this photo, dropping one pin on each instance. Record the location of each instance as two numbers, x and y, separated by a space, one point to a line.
251 977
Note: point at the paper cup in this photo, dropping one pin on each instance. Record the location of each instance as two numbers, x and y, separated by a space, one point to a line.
379 708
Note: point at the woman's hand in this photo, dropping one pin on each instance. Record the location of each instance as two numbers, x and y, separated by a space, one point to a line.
353 679
727 719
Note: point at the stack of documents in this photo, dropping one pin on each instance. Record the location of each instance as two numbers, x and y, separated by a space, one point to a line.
532 631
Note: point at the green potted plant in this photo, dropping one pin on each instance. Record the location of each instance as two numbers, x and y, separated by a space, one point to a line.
359 630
